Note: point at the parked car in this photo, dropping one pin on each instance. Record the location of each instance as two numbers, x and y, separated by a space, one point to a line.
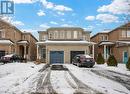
83 60
11 58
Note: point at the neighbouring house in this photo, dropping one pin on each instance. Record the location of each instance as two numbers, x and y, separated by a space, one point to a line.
61 44
116 42
13 41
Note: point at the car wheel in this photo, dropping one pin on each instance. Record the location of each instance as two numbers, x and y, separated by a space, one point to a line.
78 64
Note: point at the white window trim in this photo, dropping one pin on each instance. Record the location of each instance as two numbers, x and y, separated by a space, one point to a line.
75 34
123 33
128 33
68 34
2 34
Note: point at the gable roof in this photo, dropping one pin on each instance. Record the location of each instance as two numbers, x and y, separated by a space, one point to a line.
12 26
99 33
29 34
65 28
120 27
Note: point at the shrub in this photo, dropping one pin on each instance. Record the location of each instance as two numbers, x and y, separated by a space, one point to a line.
100 59
112 61
128 64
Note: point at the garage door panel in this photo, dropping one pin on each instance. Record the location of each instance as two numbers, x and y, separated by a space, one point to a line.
56 57
74 53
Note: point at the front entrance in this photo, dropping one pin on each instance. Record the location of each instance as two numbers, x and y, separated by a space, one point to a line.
2 53
56 57
125 57
21 50
74 53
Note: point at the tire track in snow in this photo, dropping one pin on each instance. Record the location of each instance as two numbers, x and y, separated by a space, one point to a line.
44 85
81 88
120 78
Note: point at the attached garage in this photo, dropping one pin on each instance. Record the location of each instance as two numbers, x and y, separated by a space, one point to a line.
56 57
74 53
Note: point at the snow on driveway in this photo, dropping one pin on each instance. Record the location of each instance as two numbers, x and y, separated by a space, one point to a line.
60 84
18 78
23 78
97 82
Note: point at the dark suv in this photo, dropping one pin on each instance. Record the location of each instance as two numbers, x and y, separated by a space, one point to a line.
83 60
11 58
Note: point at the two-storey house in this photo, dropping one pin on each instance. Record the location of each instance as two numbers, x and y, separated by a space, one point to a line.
13 41
60 45
116 42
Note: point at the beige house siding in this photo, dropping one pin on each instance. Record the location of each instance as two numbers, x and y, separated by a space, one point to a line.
66 34
66 49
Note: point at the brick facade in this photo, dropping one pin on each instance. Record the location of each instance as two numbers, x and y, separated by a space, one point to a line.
117 43
18 41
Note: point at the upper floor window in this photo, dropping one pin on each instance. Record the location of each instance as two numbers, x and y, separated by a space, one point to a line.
75 34
128 33
104 38
2 34
23 37
101 37
62 34
44 37
69 35
14 34
123 33
55 34
50 35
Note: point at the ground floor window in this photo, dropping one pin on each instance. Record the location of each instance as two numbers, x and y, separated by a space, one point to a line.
43 53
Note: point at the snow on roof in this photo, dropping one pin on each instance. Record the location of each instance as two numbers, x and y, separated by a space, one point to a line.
105 31
6 42
106 43
23 42
125 42
65 42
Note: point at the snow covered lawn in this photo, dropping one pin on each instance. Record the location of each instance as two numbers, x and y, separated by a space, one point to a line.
18 78
23 78
121 68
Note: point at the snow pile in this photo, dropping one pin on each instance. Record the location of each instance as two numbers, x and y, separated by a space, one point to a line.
97 82
18 78
121 68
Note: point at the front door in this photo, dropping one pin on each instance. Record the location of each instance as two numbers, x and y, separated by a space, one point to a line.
2 53
125 57
56 57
